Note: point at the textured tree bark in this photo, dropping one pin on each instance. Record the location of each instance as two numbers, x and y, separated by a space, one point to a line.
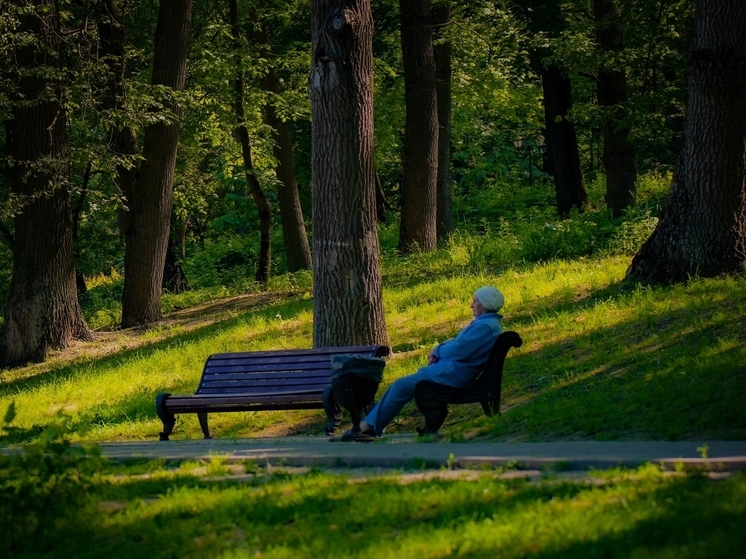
702 230
348 305
619 151
546 17
257 193
123 140
151 196
42 310
442 54
418 228
297 249
562 142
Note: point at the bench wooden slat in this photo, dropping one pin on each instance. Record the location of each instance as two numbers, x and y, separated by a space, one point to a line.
218 369
298 353
238 387
261 376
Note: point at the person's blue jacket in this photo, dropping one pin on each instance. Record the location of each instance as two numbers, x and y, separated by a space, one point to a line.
460 359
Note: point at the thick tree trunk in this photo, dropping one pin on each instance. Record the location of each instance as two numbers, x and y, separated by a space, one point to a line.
442 55
619 151
297 249
562 142
257 194
702 230
545 17
123 140
151 196
42 310
418 229
348 305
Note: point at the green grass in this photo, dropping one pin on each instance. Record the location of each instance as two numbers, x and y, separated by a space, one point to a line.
188 512
601 359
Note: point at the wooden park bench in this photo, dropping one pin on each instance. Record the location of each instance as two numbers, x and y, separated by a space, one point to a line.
291 379
432 399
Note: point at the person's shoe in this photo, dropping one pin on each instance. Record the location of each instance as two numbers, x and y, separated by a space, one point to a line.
359 435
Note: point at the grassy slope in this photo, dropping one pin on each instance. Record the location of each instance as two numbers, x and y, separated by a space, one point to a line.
601 359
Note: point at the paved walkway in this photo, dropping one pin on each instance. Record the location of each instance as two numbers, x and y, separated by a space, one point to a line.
405 451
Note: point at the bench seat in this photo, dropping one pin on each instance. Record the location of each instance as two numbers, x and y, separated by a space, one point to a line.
290 379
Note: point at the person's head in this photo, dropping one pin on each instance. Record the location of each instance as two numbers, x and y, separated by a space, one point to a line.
486 299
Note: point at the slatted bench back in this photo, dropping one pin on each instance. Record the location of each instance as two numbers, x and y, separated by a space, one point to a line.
273 373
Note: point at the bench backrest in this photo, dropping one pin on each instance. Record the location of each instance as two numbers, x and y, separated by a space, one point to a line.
298 371
488 383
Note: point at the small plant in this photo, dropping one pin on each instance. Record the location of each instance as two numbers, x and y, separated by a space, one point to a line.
217 466
43 485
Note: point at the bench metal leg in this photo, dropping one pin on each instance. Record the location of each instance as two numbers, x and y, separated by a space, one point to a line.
202 416
333 411
427 399
168 419
491 404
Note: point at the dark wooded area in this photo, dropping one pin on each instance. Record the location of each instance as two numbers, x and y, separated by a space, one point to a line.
133 133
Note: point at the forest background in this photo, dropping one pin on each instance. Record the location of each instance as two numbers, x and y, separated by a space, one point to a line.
216 226
541 100
607 354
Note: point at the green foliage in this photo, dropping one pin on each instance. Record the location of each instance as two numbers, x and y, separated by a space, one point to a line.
43 487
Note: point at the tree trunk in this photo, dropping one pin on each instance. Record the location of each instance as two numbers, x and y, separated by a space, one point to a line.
348 305
442 55
77 209
702 230
418 229
260 199
619 151
123 141
545 17
562 142
297 249
151 196
42 310
174 278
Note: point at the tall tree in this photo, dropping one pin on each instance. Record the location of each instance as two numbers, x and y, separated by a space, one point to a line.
619 151
348 305
297 249
702 229
123 143
150 198
418 229
442 55
242 131
545 19
42 310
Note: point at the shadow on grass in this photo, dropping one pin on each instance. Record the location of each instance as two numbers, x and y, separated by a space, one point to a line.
302 517
288 309
657 378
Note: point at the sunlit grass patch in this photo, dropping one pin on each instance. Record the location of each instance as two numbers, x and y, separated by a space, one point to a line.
188 511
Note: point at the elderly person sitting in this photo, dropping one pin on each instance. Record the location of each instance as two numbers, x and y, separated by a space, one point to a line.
456 362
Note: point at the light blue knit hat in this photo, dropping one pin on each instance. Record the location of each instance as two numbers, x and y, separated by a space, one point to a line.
491 298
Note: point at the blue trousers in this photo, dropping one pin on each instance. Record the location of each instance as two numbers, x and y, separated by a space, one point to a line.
401 392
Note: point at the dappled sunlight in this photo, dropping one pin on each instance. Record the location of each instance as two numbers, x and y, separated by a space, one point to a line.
485 514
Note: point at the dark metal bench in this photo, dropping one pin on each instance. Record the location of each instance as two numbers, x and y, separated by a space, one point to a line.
291 379
432 399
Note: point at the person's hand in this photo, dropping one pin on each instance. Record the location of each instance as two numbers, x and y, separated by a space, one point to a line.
431 358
